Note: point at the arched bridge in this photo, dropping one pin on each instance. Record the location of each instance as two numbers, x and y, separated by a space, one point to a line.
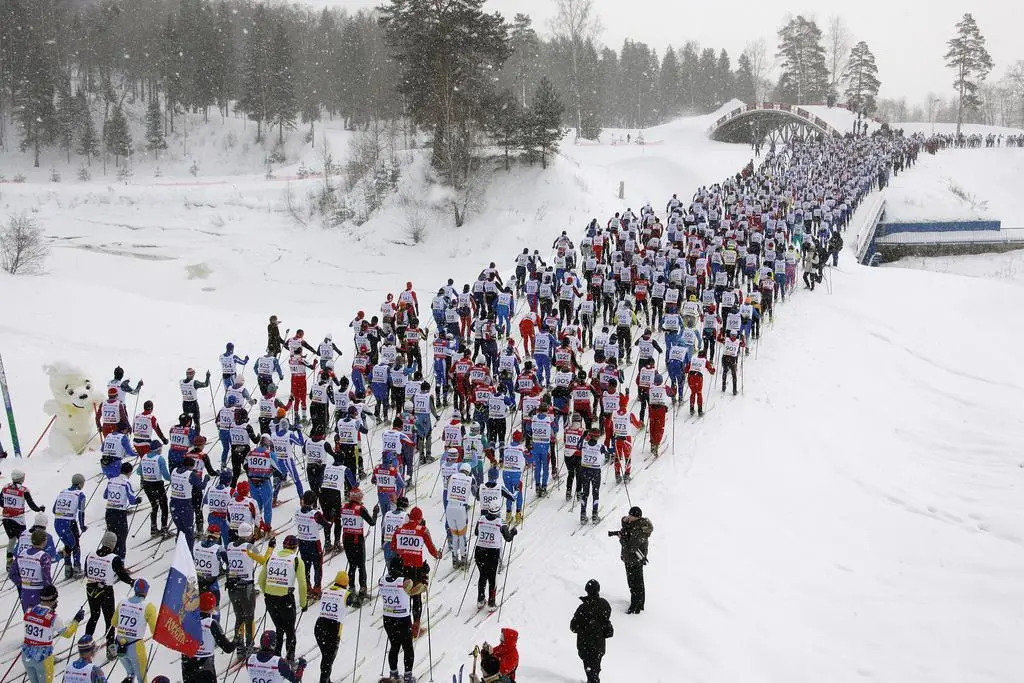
770 122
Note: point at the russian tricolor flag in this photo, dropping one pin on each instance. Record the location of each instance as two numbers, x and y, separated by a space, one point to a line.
179 625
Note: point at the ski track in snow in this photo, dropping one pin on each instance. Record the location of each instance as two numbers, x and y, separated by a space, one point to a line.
854 516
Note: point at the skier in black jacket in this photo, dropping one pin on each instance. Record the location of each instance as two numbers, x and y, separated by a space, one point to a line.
592 625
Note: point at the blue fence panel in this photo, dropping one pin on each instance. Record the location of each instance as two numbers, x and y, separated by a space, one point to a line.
884 229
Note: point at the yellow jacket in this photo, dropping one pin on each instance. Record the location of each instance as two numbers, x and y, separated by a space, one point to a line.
300 575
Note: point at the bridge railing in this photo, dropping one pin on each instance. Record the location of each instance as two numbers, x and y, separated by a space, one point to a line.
867 218
796 111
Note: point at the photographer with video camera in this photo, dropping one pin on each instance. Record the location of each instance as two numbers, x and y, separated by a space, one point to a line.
633 535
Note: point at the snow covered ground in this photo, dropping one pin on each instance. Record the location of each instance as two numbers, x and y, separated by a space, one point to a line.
1007 267
960 184
856 516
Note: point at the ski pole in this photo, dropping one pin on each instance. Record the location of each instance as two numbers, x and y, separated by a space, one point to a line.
359 628
39 440
13 662
430 649
469 581
505 582
135 411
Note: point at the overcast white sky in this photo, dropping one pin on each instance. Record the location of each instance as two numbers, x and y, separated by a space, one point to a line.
908 37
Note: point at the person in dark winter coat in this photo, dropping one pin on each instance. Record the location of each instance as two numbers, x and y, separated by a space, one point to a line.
633 535
592 625
835 245
274 339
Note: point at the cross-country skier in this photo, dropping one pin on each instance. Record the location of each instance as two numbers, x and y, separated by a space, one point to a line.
461 487
42 627
202 665
695 379
267 665
153 473
282 572
491 535
218 497
266 367
411 540
190 387
328 627
123 385
513 463
397 591
184 480
83 669
242 560
354 517
131 618
227 361
593 456
308 523
211 560
15 498
120 495
69 523
30 571
103 569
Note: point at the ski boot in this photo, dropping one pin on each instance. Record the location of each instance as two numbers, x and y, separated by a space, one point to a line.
618 478
362 598
568 495
415 630
654 450
111 651
328 547
700 411
583 517
394 677
480 602
153 531
491 604
691 411
409 678
78 571
627 478
593 517
508 517
69 571
166 531
519 517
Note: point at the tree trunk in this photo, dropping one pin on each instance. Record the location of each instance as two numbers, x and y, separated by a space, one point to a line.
459 217
35 143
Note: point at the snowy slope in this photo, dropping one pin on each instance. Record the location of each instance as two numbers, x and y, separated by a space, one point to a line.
1008 267
853 516
989 178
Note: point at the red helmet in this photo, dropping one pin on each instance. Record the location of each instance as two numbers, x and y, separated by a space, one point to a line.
355 495
242 489
207 602
517 435
112 391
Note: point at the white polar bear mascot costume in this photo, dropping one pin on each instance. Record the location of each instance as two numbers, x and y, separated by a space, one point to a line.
73 404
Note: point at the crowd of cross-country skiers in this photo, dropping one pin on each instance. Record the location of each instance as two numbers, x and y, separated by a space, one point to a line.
557 375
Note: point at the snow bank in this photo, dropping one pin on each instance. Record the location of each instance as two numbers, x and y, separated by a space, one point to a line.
960 184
